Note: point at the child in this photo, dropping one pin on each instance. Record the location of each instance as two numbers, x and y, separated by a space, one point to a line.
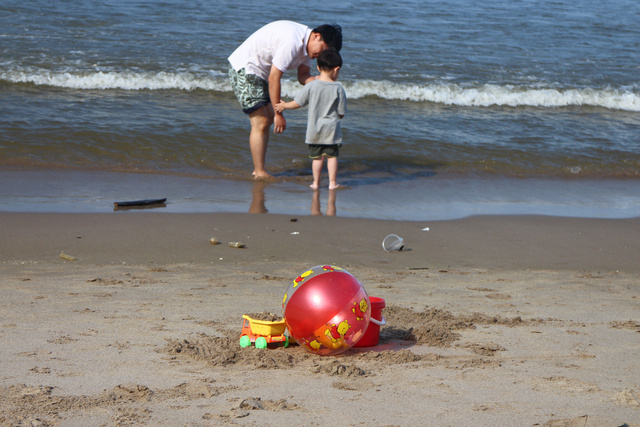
327 102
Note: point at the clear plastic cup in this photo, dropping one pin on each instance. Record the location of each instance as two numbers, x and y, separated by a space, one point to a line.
392 243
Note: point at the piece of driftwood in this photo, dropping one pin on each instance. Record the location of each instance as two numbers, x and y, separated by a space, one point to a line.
146 202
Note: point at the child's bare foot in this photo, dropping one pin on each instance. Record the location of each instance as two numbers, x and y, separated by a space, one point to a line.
314 186
334 186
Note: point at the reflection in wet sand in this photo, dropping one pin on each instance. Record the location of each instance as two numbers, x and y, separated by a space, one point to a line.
331 203
258 200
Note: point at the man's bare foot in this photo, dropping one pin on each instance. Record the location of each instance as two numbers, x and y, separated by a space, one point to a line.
264 177
314 186
334 187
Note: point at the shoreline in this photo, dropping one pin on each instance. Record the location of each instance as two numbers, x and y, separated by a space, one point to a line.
418 199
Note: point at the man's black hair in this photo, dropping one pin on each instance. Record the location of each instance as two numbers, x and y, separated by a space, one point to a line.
331 35
329 59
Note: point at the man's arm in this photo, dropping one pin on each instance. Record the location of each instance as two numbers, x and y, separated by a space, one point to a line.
275 76
304 75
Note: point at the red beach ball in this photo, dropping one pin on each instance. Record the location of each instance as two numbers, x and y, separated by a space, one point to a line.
326 310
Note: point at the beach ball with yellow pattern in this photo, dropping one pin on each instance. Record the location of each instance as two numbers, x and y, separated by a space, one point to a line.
326 310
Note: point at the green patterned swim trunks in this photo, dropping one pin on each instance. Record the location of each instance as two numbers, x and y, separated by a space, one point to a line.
252 91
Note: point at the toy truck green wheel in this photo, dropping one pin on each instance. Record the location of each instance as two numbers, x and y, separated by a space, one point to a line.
261 342
245 341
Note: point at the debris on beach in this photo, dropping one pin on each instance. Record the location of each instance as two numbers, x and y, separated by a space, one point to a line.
139 204
146 202
393 243
67 257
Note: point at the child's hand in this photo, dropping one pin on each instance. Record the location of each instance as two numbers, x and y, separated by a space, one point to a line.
279 107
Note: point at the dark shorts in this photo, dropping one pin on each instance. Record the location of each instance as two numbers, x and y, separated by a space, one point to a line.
252 91
317 151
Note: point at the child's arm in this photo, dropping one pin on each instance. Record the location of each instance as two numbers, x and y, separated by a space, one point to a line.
281 106
342 102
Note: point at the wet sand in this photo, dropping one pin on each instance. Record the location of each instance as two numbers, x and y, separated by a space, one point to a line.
491 320
365 195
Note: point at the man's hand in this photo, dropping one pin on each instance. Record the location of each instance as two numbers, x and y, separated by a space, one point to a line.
304 75
279 123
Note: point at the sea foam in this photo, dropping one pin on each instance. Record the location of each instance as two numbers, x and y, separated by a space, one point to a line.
482 95
488 95
125 80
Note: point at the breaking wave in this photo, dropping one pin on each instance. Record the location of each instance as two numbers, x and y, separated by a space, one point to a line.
488 95
125 80
482 95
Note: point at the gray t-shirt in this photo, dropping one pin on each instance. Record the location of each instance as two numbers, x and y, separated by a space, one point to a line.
327 102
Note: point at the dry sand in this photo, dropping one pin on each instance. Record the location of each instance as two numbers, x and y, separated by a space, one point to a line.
490 321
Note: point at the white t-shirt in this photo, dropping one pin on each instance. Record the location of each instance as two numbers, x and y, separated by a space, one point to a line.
280 43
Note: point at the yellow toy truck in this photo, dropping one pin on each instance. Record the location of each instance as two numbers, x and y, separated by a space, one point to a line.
261 333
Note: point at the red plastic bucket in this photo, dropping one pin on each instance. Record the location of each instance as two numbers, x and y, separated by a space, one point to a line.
372 335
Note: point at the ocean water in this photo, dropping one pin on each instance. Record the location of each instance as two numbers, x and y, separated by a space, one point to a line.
455 108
